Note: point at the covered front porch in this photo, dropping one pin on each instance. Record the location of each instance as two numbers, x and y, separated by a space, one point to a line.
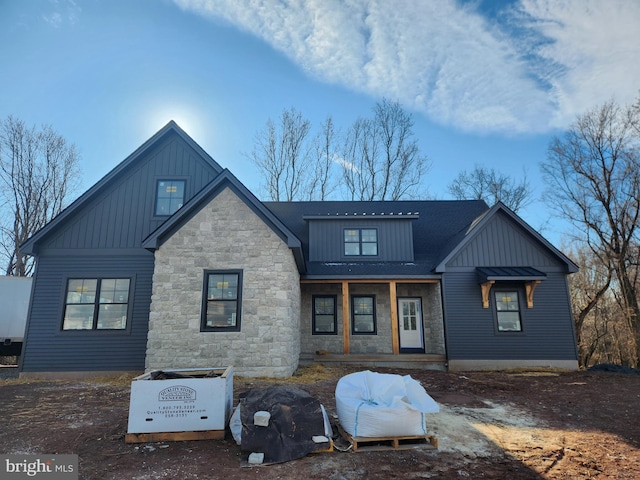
403 328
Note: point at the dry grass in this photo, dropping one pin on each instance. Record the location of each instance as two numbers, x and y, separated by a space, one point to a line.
535 374
123 380
305 374
25 381
113 380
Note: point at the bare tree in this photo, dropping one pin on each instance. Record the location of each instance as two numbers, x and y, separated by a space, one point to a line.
38 172
591 302
358 160
380 158
492 187
321 185
281 152
593 174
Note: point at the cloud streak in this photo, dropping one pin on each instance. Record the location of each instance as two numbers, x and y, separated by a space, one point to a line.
531 68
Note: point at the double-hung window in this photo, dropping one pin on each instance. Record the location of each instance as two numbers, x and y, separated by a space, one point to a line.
360 242
169 196
222 301
363 314
324 315
96 304
508 310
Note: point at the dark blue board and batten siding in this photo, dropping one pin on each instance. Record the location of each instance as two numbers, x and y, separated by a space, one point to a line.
102 239
51 349
471 330
326 239
502 243
122 215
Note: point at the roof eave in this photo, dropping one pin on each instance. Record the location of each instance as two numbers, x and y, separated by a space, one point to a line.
483 219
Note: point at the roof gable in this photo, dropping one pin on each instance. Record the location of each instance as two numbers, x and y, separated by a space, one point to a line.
225 180
501 217
119 182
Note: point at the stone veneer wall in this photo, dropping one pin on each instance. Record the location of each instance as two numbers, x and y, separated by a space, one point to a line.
311 343
433 319
226 234
381 341
432 315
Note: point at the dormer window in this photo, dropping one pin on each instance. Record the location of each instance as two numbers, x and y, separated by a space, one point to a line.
360 242
169 197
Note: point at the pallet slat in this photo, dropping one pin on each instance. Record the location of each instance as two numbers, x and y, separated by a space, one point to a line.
174 436
327 449
389 443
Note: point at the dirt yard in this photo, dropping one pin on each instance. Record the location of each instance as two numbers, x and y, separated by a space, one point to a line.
507 425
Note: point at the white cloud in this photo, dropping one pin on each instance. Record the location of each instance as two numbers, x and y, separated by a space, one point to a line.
531 69
54 19
65 10
597 45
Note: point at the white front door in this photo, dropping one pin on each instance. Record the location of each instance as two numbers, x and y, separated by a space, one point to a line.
410 324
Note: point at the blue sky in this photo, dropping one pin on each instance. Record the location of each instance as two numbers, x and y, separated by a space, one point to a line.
487 82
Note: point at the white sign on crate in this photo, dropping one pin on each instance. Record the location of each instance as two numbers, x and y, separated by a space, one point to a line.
202 400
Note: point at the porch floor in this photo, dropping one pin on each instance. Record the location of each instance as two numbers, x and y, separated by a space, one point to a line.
409 360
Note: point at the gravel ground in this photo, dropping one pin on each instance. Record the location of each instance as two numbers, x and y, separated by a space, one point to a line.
524 425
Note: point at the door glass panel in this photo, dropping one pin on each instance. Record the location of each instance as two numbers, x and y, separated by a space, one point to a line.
410 324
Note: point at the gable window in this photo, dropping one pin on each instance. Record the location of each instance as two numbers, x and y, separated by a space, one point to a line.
222 300
96 304
363 313
169 196
324 315
360 242
508 311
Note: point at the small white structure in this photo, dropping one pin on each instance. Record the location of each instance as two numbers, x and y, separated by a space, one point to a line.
15 293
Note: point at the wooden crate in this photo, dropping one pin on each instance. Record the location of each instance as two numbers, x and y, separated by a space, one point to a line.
195 406
363 444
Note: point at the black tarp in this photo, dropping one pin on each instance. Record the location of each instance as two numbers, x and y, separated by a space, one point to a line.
296 417
609 367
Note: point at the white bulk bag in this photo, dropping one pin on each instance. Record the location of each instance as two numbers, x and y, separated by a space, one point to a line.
371 404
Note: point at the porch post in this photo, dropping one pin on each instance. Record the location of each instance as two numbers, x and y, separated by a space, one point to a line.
393 299
346 321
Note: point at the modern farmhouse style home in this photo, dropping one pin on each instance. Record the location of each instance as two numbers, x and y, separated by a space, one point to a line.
170 262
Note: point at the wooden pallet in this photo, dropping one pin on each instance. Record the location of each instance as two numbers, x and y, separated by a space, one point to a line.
174 436
327 449
363 444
